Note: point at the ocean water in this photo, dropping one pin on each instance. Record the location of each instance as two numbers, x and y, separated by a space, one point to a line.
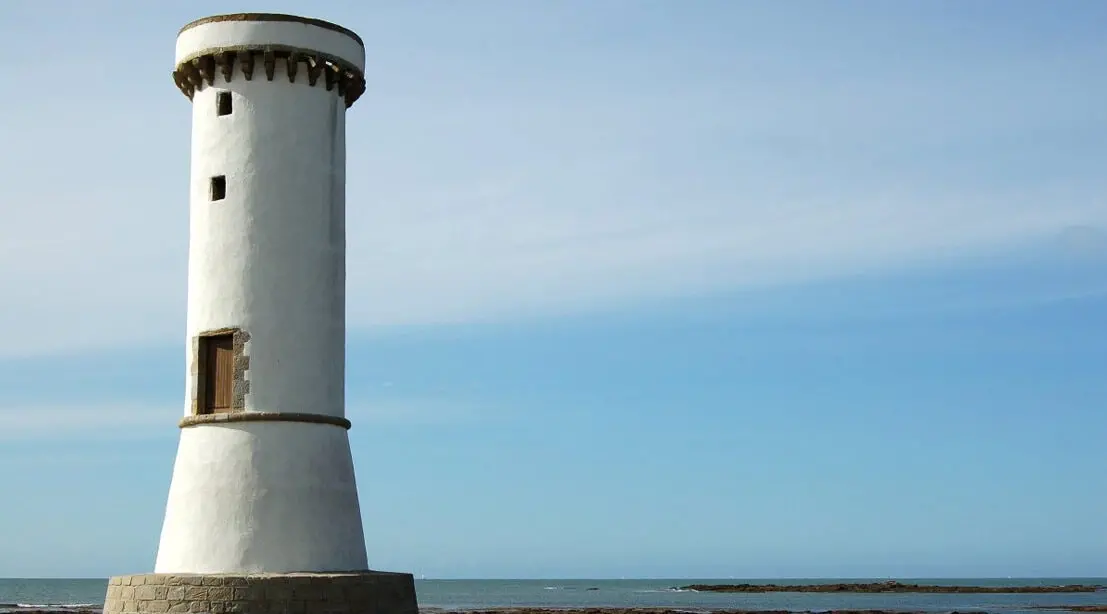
20 594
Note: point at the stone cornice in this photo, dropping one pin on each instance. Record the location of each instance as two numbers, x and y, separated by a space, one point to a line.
262 416
201 69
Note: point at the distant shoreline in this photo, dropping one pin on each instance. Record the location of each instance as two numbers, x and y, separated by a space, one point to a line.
885 587
698 610
617 610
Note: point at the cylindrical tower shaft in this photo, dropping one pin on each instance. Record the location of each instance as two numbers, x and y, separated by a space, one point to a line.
263 480
267 235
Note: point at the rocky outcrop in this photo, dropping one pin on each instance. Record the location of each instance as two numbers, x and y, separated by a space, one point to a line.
662 610
644 610
1073 608
885 587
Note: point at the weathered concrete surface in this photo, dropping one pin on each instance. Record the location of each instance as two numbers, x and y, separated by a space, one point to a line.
369 592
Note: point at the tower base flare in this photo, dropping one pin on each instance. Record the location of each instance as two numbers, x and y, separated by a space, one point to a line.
362 592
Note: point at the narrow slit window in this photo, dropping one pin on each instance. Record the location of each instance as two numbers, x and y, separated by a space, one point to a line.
216 385
223 103
219 187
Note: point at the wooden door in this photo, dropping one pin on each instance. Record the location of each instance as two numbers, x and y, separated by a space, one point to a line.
218 374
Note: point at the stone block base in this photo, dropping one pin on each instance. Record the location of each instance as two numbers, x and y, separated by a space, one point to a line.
367 592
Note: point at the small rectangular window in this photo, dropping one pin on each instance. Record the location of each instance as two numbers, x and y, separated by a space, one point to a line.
223 103
219 187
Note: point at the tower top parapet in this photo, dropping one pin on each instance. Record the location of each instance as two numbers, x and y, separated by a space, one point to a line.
329 54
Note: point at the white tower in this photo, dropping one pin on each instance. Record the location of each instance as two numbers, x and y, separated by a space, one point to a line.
263 480
263 513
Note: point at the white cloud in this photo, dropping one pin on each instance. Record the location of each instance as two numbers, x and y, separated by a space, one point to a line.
420 412
508 255
130 421
480 198
520 248
97 421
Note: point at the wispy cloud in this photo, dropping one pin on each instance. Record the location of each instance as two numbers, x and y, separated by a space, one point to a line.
99 421
422 412
103 421
511 255
486 197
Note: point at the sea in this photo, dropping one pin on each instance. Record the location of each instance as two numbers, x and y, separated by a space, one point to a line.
18 595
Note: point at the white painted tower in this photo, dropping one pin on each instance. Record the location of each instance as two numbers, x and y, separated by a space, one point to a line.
263 480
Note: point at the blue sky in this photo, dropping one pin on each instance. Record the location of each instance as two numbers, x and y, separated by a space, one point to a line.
635 288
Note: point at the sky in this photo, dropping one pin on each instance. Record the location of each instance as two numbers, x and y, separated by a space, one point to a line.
635 288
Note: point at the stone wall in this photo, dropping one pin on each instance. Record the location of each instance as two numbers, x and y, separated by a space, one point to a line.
307 593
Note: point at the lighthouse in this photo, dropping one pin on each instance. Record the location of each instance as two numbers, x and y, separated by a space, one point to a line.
263 512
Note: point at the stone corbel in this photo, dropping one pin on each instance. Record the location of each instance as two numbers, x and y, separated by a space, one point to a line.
293 64
226 64
315 67
269 60
248 65
192 72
